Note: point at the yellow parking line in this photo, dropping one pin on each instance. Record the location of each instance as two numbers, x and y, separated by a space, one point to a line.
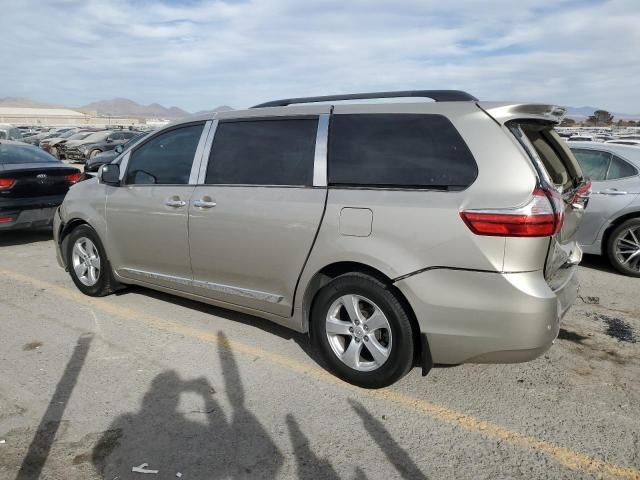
564 456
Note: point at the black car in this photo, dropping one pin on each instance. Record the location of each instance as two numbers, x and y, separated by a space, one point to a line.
32 185
89 150
94 163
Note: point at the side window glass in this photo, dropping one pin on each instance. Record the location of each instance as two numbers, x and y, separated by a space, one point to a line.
263 152
620 169
594 163
166 159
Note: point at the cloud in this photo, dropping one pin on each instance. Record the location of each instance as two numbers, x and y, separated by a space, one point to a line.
198 55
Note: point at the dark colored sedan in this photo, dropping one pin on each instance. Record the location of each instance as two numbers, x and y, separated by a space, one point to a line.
32 185
94 163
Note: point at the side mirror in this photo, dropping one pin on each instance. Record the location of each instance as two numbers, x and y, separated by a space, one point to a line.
109 174
120 148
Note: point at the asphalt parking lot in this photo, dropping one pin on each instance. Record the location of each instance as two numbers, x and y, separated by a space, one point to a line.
91 388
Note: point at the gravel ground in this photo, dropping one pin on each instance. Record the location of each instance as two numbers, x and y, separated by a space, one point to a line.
93 387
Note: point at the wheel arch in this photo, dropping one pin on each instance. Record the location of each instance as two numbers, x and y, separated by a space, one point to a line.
63 237
612 226
334 270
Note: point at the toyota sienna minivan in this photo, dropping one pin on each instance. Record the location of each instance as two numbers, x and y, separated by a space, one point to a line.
395 234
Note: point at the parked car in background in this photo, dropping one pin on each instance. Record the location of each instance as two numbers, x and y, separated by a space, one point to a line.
32 185
74 149
90 150
9 132
580 138
51 143
413 233
35 138
633 143
611 224
94 163
74 140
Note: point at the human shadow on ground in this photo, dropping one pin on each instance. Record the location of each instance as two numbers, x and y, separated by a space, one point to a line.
234 446
165 439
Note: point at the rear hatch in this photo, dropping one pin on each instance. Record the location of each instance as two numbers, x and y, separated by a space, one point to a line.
558 171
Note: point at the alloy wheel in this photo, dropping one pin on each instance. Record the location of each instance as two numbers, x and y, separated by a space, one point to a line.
359 332
86 261
627 248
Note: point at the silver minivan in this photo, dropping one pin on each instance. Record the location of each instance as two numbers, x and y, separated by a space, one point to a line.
395 234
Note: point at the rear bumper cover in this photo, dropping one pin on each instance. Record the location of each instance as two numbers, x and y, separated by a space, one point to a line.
486 317
29 212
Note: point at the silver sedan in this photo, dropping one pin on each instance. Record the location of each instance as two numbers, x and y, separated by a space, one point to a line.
611 224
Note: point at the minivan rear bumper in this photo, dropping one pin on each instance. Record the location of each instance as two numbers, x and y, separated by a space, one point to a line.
488 317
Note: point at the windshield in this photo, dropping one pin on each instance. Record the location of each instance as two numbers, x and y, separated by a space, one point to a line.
24 154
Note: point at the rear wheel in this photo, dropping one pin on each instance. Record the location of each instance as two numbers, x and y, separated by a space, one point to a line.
362 331
623 248
88 264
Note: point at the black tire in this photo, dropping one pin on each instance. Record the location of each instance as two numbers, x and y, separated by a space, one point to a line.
632 269
401 354
105 283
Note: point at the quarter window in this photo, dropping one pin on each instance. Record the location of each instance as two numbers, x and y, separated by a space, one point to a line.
165 159
620 169
263 152
398 150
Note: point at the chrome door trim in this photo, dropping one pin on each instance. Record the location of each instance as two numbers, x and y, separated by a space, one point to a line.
197 158
155 276
206 154
320 155
243 292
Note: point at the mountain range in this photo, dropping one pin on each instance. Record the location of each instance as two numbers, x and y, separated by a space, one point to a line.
113 107
129 108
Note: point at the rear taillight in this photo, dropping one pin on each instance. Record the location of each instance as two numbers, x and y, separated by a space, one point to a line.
6 183
540 217
72 177
6 219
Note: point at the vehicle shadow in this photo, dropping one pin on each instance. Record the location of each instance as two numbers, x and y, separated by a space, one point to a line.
598 262
213 444
24 237
301 339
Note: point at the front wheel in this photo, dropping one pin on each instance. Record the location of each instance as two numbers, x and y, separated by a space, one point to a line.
87 263
623 248
94 153
362 331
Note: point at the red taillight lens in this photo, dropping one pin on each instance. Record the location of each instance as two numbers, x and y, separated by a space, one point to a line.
6 183
6 219
73 177
538 218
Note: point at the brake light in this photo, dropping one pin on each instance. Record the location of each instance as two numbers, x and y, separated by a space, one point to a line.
6 183
6 219
72 177
540 217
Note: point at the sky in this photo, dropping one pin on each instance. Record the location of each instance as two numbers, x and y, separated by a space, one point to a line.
201 54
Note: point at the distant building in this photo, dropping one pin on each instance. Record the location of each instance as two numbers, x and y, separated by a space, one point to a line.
59 116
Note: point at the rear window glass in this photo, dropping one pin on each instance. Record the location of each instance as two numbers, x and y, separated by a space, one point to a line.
398 150
24 154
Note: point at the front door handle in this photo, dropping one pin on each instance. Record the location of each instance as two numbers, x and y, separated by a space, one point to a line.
612 191
174 202
204 202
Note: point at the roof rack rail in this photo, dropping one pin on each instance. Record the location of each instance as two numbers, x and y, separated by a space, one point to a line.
437 95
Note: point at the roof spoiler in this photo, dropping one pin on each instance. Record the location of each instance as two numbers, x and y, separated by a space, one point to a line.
437 95
504 112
